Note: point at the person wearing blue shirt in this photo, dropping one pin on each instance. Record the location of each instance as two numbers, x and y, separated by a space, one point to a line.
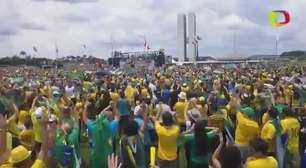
165 95
123 108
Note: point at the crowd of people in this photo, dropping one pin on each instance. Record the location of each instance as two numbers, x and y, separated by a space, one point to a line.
194 116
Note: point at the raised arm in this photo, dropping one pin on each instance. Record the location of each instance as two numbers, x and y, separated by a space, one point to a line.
145 120
14 109
3 149
76 117
43 154
34 102
84 113
215 157
186 112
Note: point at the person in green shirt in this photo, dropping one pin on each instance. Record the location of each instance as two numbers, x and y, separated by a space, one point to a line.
198 144
66 150
132 146
101 136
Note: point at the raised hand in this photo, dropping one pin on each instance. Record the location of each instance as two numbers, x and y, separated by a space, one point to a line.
112 161
3 122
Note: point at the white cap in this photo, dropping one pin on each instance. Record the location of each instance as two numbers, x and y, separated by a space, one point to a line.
182 95
38 112
56 92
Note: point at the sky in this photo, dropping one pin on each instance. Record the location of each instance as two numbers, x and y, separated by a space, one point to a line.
70 24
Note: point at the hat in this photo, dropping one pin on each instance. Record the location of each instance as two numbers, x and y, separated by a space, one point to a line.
19 154
38 112
79 105
26 138
182 95
248 111
55 93
247 87
202 98
52 118
195 115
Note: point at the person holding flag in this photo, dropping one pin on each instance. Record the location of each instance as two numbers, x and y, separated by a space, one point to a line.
100 135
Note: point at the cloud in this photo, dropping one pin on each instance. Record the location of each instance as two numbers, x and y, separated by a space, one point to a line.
71 23
74 18
121 44
32 26
234 22
6 31
69 1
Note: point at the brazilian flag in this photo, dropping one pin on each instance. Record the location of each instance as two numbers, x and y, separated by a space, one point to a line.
4 103
280 141
182 159
66 148
102 142
74 75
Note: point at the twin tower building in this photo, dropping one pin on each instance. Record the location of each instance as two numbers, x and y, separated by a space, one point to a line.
187 39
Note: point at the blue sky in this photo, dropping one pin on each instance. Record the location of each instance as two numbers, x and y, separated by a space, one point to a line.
96 23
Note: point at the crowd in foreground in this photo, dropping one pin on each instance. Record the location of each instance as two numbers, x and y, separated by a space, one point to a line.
171 117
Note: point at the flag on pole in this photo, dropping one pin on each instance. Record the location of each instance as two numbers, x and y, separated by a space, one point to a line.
34 49
56 49
198 38
146 45
84 46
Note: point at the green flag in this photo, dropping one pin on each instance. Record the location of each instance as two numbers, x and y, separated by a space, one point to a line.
74 75
65 147
101 141
181 152
4 103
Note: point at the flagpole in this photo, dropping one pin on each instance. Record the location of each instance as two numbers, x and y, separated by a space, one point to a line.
276 45
34 53
56 52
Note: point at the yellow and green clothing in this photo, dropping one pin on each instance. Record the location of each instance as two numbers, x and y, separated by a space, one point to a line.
292 126
268 134
167 147
266 162
195 159
180 108
246 130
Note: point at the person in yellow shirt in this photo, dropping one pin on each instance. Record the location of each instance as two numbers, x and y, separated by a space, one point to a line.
265 118
144 92
22 117
20 157
130 94
167 134
246 129
180 108
288 92
36 117
114 95
259 157
268 132
26 136
291 126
